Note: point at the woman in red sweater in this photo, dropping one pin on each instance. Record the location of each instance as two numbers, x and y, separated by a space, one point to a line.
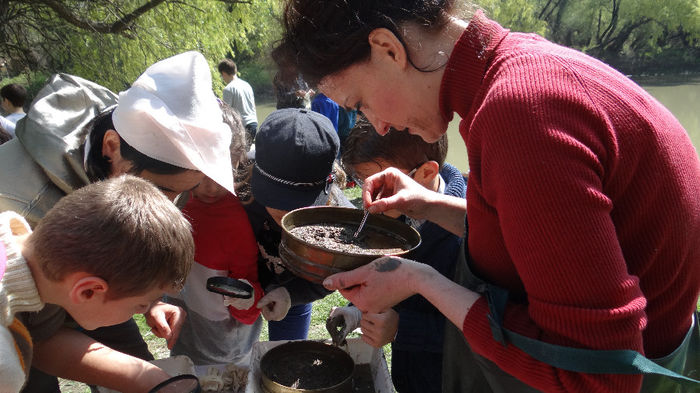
582 198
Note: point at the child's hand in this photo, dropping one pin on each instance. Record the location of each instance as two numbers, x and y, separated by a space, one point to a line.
275 304
241 304
341 321
166 321
379 329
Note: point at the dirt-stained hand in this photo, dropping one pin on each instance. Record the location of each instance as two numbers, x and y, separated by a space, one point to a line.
377 286
341 321
275 304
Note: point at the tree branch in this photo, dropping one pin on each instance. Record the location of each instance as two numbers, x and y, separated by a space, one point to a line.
116 27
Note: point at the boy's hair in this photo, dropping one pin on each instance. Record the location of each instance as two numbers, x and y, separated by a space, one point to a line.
228 66
398 148
123 230
17 94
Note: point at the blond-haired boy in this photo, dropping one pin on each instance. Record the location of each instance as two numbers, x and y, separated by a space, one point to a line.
103 253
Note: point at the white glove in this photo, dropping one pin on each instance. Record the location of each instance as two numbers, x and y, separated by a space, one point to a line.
238 303
275 304
341 321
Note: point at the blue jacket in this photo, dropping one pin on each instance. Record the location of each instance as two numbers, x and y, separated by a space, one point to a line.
421 325
327 107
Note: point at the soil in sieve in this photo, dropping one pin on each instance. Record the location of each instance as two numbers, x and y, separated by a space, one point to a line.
307 370
338 237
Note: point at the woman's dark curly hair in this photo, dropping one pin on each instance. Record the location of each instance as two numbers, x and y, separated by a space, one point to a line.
322 37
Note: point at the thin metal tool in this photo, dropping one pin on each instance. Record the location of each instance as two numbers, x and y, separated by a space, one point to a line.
362 224
364 218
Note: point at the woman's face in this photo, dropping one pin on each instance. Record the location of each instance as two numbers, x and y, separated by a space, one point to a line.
389 95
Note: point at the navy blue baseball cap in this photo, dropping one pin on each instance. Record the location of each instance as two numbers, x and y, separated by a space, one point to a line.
294 153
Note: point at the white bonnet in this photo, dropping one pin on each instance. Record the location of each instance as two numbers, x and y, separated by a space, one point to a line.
171 114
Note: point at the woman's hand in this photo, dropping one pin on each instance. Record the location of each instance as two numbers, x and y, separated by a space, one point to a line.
394 189
378 285
384 282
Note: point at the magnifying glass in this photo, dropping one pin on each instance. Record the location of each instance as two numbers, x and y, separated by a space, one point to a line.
231 287
185 383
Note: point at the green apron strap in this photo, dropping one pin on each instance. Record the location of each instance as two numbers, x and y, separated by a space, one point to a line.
589 361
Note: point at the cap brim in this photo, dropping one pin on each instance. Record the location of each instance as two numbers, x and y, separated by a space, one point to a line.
282 197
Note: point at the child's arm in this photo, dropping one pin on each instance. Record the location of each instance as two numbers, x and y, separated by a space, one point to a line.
165 321
73 355
243 264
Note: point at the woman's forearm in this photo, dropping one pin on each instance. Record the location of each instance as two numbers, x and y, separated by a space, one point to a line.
451 299
449 212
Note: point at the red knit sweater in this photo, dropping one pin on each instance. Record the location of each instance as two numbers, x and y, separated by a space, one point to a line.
583 200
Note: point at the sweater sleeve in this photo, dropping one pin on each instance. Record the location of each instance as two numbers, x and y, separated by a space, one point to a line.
543 161
243 263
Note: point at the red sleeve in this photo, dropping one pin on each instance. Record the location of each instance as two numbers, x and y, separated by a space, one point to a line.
243 261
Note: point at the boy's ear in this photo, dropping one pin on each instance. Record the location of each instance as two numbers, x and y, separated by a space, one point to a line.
111 145
88 288
427 171
383 43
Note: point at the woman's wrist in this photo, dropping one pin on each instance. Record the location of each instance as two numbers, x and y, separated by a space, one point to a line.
420 275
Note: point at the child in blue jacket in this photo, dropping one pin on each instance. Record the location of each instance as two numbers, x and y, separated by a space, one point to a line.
414 327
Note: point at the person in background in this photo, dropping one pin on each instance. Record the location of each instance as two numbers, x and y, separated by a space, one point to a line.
582 197
294 167
327 107
343 120
218 329
414 327
167 129
346 122
103 253
239 95
292 94
13 98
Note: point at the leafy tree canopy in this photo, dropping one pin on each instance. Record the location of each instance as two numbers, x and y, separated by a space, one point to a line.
113 41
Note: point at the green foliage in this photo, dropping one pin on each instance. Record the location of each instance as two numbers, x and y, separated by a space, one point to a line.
211 27
617 29
518 15
112 42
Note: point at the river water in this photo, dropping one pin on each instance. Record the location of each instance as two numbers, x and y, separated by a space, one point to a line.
679 93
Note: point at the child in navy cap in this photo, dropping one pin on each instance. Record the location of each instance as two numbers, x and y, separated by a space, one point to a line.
294 167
